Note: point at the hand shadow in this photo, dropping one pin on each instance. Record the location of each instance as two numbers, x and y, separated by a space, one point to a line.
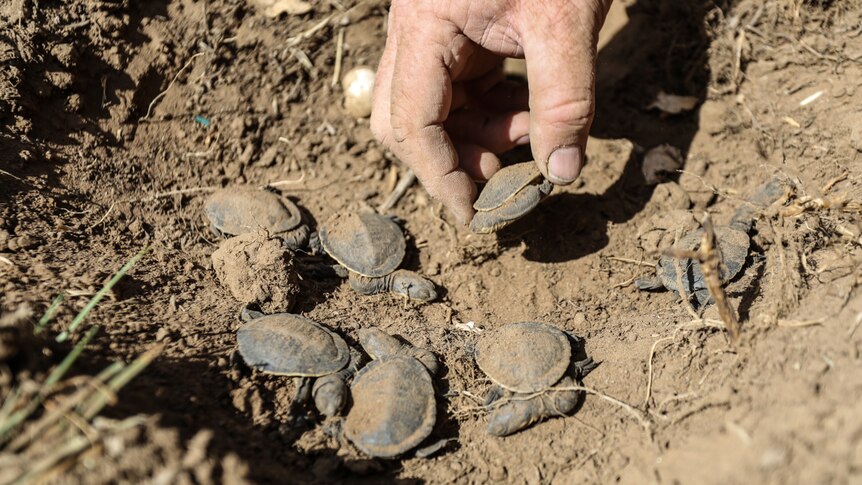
649 49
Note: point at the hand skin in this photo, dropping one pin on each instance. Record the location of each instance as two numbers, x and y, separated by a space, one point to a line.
444 107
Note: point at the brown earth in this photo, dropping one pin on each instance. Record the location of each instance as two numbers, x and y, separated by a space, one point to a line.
118 117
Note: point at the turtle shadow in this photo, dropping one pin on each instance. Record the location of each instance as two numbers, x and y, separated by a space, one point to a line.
568 226
652 51
750 293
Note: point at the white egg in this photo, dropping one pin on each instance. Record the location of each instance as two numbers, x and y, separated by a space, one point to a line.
358 86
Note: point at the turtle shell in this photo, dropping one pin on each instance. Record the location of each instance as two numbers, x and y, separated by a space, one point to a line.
504 184
733 245
366 243
394 407
524 357
239 210
291 345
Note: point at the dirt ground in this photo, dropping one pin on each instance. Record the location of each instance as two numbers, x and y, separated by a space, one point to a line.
118 117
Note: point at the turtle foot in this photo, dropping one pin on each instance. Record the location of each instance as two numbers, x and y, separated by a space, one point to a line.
649 284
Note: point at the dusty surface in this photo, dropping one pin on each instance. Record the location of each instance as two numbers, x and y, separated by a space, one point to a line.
117 118
258 270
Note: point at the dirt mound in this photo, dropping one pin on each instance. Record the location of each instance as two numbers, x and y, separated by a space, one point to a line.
258 270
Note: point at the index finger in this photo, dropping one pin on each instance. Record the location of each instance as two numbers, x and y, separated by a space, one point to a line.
420 100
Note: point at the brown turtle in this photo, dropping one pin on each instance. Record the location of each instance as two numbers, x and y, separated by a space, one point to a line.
291 345
371 246
238 210
732 242
510 194
394 406
529 363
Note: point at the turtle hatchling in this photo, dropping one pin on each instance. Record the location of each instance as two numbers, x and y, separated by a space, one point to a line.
394 406
510 194
530 365
371 246
239 210
291 345
732 242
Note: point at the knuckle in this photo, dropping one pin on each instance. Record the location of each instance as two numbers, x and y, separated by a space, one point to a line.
570 112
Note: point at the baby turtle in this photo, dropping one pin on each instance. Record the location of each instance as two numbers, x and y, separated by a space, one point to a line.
394 407
291 345
509 195
239 210
529 364
371 246
732 241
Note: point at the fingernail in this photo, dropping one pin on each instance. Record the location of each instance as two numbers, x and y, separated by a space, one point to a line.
564 164
523 140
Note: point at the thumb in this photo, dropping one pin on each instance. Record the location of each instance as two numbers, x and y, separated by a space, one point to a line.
560 48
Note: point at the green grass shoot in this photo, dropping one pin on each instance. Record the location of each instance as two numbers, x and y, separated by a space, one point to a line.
82 315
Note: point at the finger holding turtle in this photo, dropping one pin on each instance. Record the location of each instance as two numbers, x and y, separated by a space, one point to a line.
510 194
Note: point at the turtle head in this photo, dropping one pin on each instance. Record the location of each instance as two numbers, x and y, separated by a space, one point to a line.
330 394
413 286
378 343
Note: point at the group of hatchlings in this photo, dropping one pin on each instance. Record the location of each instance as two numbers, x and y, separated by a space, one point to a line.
391 403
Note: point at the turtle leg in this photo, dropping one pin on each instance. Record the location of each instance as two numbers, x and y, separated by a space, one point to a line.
246 314
298 238
649 284
523 410
314 244
300 397
330 392
494 395
703 297
584 367
216 232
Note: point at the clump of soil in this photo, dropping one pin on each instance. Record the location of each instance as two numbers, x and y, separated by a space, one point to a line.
258 270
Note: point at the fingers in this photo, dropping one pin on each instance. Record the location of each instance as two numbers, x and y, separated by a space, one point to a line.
479 163
381 99
506 96
560 48
497 133
420 100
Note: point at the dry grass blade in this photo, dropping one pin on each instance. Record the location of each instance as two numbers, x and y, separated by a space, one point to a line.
52 417
49 313
709 257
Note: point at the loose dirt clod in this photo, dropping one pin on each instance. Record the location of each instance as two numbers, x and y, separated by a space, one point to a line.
258 270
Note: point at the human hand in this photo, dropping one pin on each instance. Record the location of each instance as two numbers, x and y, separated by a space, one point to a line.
443 106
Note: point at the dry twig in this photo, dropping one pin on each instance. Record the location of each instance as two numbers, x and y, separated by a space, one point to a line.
709 257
